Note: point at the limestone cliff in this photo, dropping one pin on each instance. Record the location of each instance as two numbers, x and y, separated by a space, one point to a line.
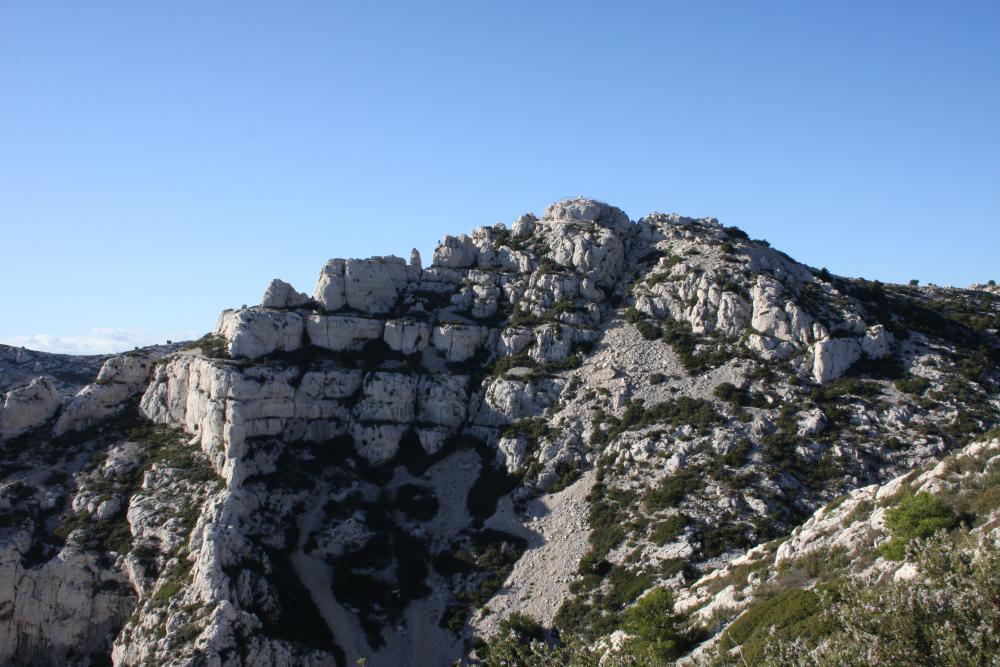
551 419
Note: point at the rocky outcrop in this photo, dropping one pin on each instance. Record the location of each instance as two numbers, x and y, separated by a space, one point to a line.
371 286
341 333
256 332
119 380
371 460
28 407
63 609
280 294
833 356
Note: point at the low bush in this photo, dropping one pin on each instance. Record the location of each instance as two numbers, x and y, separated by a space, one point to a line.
915 516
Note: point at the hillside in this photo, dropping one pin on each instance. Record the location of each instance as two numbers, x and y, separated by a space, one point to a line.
552 421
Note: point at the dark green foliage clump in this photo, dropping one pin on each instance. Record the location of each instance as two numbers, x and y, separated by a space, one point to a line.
915 385
657 630
212 345
673 489
669 529
686 345
947 615
648 330
915 516
566 474
792 613
678 412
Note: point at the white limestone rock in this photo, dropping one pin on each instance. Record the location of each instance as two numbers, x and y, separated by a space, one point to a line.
432 440
342 333
833 356
119 379
442 400
455 252
330 291
28 407
811 423
255 332
776 317
280 294
507 400
553 342
387 397
877 343
373 285
580 209
524 226
515 340
377 443
63 608
459 342
407 336
511 452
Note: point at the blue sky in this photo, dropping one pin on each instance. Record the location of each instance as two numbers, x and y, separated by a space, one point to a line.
162 161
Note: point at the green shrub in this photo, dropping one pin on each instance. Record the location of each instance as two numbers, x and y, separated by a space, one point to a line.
669 529
673 489
916 515
727 392
655 627
915 385
648 330
793 613
948 615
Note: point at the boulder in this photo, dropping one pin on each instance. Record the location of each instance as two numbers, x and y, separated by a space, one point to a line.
811 422
877 342
330 293
580 209
28 407
280 294
255 332
455 252
524 226
442 400
833 356
373 285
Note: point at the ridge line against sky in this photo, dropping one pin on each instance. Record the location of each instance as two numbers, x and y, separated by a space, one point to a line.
165 162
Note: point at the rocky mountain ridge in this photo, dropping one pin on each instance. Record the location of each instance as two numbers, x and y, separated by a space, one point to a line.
551 419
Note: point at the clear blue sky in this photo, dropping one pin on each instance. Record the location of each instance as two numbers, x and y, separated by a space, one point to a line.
162 161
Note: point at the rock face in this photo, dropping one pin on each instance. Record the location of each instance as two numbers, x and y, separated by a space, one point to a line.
369 286
28 407
120 379
337 478
256 332
64 608
280 294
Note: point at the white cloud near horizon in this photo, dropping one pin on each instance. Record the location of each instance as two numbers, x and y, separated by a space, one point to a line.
97 340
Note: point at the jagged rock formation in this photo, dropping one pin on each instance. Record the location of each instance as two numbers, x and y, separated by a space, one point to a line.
384 469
